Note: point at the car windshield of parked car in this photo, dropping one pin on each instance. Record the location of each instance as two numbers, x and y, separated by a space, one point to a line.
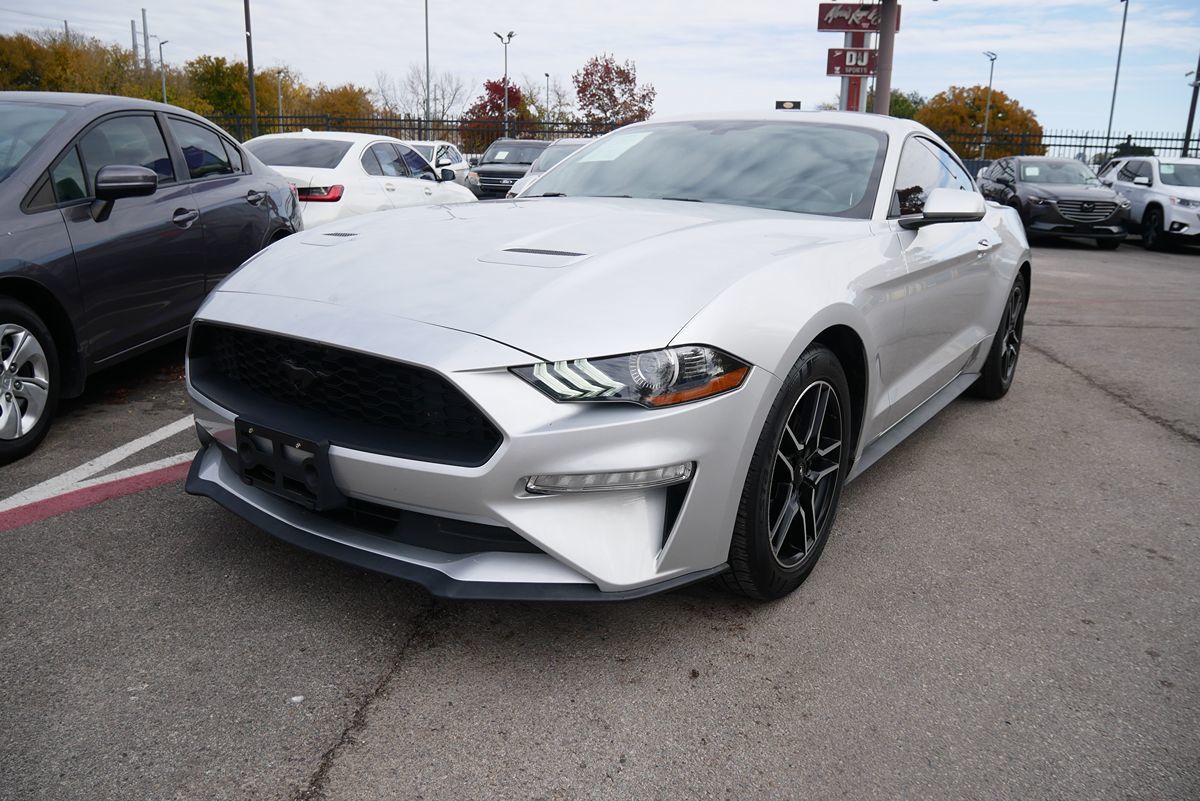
319 153
553 155
1058 172
1179 174
22 127
426 151
512 153
789 166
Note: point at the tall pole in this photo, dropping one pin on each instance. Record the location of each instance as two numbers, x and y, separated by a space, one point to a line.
1112 106
428 123
66 29
505 42
547 96
250 70
1187 135
887 47
133 34
162 68
279 95
146 39
987 114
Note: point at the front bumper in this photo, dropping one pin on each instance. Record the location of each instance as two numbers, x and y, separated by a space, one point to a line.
1047 220
1182 223
597 546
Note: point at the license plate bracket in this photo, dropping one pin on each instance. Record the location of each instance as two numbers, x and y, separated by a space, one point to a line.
283 464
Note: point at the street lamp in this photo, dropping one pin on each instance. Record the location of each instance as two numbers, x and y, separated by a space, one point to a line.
505 42
987 114
1112 107
428 124
1195 84
250 72
162 69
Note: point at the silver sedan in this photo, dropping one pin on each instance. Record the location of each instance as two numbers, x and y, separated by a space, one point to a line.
662 366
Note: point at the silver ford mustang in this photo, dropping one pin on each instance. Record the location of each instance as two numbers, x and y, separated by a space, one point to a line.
660 364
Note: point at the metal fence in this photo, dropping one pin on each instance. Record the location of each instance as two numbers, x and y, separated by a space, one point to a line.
474 135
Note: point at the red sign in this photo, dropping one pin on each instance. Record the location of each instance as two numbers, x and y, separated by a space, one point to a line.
845 61
851 17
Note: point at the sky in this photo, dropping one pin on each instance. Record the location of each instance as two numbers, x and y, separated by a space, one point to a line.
1056 57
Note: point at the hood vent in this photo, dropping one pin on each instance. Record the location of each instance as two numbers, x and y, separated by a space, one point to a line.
339 233
539 252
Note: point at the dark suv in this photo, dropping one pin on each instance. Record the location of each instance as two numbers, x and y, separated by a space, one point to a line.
1058 197
119 216
504 162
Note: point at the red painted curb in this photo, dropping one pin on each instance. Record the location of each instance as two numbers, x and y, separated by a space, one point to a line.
90 496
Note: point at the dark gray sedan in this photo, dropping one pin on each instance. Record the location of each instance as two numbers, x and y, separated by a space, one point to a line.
1058 197
117 217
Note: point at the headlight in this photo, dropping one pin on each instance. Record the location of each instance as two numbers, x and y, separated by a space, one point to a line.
1038 200
1187 204
473 177
653 378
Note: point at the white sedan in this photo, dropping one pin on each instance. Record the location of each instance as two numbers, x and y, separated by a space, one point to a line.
442 154
339 175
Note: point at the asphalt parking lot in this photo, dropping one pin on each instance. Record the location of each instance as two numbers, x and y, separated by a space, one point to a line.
1009 608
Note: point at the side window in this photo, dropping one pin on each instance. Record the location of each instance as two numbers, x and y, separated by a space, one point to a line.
920 173
67 178
416 165
956 172
126 140
1128 171
389 162
202 149
370 163
1109 167
235 156
1143 170
1008 169
455 156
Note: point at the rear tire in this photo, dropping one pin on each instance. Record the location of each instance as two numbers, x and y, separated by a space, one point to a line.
29 380
1001 365
795 480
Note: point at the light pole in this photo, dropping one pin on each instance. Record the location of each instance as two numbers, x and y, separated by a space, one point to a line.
162 69
1195 84
428 123
987 114
547 96
887 47
505 42
1112 107
250 70
279 95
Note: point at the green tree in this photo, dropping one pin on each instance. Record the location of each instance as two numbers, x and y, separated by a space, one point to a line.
222 85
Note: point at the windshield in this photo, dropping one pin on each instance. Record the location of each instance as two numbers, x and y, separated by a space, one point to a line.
790 166
1058 172
513 152
296 152
1179 174
22 127
426 151
552 155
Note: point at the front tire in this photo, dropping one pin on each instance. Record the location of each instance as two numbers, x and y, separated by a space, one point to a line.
1001 365
795 480
29 380
1153 236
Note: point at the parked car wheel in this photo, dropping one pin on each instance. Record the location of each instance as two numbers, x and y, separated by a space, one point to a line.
1001 365
795 480
29 382
1108 244
1153 236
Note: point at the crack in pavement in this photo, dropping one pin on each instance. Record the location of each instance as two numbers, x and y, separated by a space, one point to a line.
314 789
1124 400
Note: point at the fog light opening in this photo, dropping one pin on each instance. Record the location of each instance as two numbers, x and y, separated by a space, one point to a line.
603 482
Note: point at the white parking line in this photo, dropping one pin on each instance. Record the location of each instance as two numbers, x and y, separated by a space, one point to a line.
82 476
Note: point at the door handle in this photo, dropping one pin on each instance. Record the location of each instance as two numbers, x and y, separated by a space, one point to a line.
428 192
185 217
390 187
984 245
254 198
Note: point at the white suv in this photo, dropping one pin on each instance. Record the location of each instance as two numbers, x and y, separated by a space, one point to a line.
1165 193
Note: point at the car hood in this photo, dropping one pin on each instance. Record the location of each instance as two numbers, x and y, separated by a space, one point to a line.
1070 192
559 278
502 170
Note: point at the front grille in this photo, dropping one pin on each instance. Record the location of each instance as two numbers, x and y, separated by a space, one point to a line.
322 393
426 531
1086 211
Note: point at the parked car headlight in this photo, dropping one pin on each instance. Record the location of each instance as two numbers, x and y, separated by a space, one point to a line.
654 378
1038 200
1187 204
473 177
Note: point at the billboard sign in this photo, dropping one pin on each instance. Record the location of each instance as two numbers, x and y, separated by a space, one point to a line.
844 61
851 17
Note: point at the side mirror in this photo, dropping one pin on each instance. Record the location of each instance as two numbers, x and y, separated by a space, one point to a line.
947 205
447 174
117 181
1141 180
122 180
444 161
1004 179
1106 181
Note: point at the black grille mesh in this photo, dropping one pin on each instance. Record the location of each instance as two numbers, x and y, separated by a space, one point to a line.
413 408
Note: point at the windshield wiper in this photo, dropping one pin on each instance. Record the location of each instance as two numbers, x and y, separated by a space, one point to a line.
684 199
551 194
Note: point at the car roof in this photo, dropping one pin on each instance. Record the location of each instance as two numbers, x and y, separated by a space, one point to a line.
572 140
97 103
427 142
341 136
857 119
